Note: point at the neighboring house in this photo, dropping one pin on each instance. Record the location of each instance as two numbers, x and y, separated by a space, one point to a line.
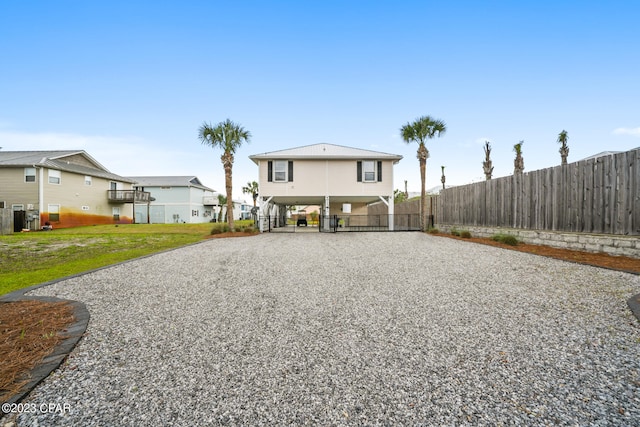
342 180
241 210
65 188
176 199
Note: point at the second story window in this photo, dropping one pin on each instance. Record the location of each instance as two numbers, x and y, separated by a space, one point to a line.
29 174
369 171
280 171
54 176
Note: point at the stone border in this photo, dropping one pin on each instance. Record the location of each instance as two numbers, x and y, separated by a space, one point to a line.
611 244
634 305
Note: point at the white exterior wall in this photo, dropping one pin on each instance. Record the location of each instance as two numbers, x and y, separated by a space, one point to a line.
326 177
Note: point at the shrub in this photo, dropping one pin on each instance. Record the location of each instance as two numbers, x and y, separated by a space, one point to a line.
216 230
507 239
465 234
225 228
455 232
249 230
433 231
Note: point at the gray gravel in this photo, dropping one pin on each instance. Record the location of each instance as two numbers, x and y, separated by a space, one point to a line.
348 328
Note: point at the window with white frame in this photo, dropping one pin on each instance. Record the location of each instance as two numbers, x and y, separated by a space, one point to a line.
54 176
116 213
87 180
29 174
369 171
54 212
280 171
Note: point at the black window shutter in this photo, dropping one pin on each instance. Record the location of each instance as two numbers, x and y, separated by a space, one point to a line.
359 171
270 171
379 171
290 165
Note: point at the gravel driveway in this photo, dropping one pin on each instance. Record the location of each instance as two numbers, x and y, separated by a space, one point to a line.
348 328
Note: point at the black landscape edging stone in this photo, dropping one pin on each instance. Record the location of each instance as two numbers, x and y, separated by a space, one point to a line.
634 305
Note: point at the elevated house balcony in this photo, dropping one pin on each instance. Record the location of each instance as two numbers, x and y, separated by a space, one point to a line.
128 196
210 201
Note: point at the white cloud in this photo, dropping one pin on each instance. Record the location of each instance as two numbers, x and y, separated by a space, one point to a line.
627 131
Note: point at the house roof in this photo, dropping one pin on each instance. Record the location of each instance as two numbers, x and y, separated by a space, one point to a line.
606 153
64 160
170 181
325 151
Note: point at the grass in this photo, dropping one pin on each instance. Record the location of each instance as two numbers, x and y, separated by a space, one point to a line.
28 259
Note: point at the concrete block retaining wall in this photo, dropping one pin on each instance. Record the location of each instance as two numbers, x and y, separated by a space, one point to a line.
607 243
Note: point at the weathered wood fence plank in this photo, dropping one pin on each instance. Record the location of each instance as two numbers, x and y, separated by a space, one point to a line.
599 195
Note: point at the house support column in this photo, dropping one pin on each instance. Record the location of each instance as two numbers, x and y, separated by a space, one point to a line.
327 210
390 205
263 204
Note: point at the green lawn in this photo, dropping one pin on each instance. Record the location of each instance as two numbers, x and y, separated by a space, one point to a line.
28 259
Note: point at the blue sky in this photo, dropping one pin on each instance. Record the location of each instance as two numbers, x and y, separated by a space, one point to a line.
130 82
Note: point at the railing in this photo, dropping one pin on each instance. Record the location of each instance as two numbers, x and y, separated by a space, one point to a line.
128 196
339 223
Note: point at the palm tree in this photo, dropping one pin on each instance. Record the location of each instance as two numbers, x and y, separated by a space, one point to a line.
518 163
564 149
443 179
419 131
228 136
222 201
487 164
251 188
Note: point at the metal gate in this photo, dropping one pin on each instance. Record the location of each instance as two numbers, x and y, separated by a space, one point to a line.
341 223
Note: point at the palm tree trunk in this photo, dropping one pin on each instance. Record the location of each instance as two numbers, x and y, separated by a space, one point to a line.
227 162
422 157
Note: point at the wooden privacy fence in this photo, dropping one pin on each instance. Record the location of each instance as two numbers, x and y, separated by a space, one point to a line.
600 195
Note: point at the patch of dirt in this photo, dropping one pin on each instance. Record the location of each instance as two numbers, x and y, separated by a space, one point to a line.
599 259
29 331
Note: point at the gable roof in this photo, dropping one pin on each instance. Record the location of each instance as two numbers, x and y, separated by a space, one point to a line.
170 181
606 153
74 161
325 151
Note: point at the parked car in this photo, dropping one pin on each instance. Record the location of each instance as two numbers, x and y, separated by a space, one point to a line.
302 219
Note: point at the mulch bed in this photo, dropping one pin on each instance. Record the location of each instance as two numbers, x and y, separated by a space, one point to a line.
599 259
29 331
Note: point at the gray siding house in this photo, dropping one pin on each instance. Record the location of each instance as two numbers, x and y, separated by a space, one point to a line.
175 199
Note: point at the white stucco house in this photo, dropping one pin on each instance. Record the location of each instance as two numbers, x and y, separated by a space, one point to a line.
342 180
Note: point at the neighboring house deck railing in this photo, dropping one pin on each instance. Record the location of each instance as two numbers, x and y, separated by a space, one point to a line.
128 196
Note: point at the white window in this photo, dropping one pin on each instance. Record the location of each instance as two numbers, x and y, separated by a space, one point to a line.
54 212
280 171
54 177
369 170
29 174
17 207
87 180
116 214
